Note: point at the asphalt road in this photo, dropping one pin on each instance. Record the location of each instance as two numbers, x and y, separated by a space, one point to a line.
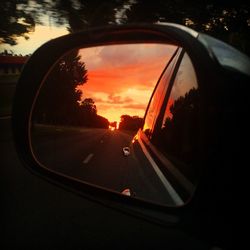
36 214
95 156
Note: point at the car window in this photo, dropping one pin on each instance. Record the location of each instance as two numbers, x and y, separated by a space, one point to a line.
179 134
158 97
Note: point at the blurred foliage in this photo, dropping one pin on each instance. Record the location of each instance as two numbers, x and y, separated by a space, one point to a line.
226 20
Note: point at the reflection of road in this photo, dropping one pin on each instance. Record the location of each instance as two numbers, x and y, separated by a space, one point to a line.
96 156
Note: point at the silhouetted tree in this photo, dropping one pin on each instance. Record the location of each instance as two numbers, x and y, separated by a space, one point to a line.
87 112
89 106
87 115
10 21
179 137
113 124
101 122
227 20
130 122
184 122
58 99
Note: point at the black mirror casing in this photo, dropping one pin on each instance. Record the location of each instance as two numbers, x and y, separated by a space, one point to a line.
200 210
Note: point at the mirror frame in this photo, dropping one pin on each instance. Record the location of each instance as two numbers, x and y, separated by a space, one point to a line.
30 82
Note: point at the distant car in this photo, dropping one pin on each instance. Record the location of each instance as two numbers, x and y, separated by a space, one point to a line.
126 151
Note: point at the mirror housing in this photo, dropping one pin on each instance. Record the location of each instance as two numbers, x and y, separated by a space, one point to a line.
37 68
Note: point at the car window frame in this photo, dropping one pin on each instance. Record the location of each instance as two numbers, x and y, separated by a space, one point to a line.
174 59
185 186
178 55
160 116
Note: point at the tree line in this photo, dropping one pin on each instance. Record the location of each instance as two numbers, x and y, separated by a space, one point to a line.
130 122
226 20
59 102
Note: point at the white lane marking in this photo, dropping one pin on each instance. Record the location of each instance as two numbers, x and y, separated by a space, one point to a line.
88 158
176 198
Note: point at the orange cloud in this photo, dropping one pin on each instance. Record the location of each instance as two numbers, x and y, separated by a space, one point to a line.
121 78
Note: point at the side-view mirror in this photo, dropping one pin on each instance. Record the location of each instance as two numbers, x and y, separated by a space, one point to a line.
129 112
89 108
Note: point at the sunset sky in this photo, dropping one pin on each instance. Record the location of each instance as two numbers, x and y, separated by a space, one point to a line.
39 36
121 78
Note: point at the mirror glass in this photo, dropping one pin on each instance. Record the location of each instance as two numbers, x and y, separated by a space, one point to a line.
88 112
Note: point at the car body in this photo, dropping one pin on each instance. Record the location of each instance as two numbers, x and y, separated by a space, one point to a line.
82 215
174 135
